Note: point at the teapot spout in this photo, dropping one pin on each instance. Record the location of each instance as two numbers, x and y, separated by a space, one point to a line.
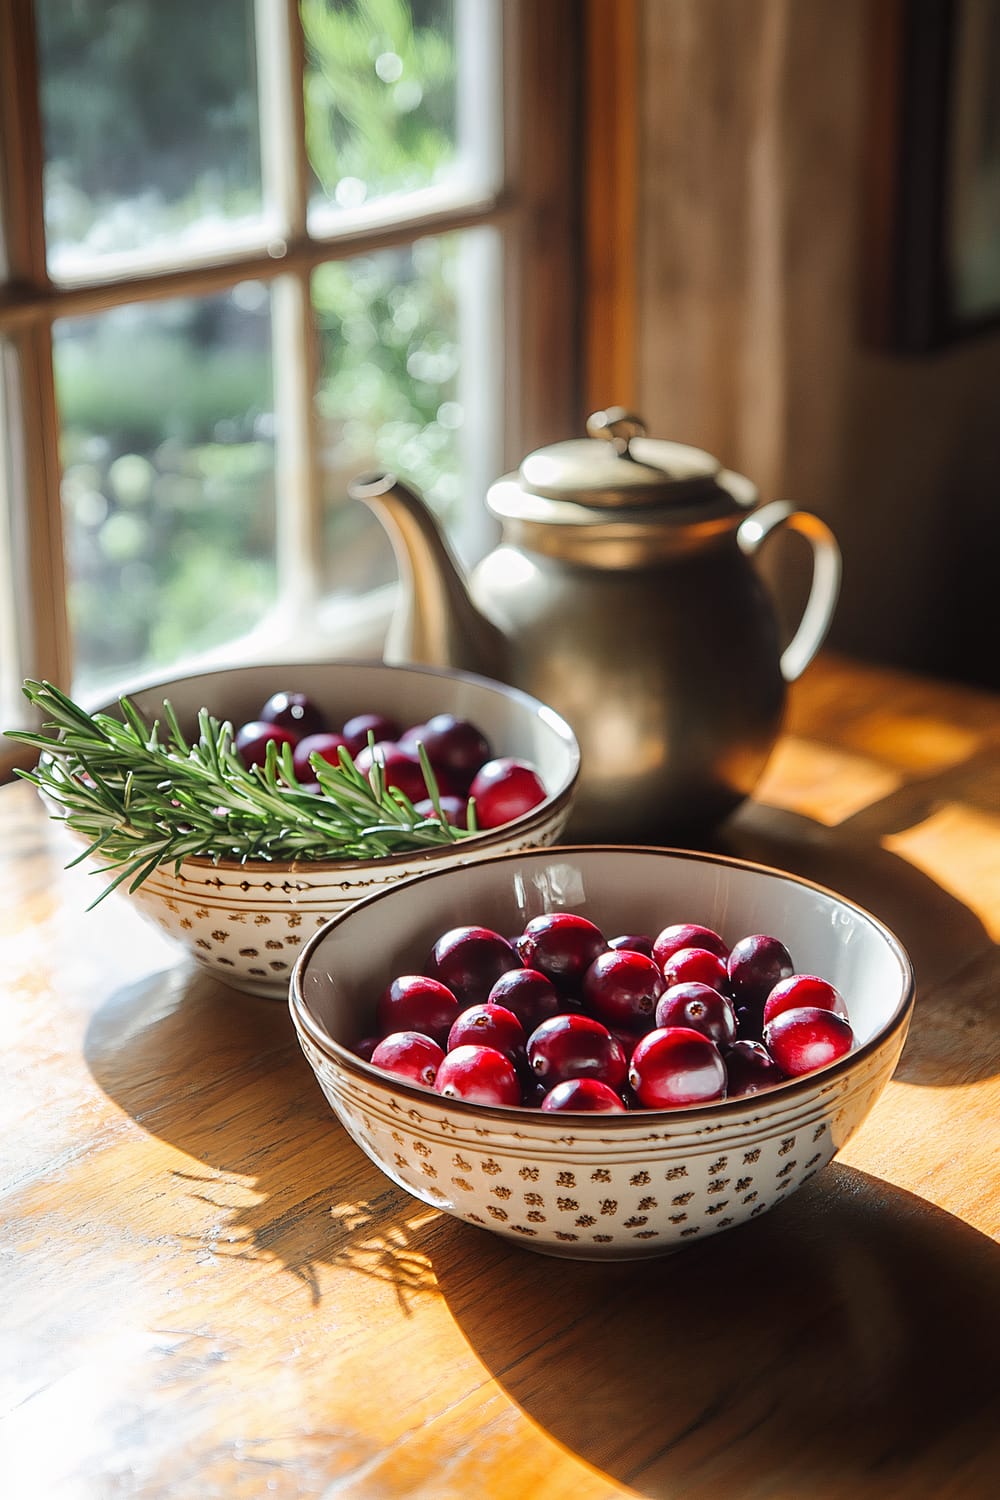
435 622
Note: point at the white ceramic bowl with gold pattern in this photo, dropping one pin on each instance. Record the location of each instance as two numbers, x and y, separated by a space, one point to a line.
601 1186
247 923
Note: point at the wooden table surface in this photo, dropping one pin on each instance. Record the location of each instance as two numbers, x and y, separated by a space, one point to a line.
208 1291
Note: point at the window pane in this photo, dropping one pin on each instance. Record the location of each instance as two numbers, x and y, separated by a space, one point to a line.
168 479
151 128
403 357
382 98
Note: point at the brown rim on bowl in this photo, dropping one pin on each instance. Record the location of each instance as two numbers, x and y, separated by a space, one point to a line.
303 1018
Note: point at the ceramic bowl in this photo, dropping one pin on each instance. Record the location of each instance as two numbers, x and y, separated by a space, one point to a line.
247 923
599 1186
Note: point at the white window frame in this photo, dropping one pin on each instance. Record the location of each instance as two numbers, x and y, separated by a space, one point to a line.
530 201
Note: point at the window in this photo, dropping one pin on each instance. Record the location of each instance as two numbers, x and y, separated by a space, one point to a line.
250 249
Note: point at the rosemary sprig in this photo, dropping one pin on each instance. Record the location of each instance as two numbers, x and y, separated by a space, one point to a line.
143 796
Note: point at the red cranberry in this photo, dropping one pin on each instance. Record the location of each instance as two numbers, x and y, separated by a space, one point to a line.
621 988
700 1008
409 1054
482 1075
584 1094
634 942
294 711
326 745
800 1041
489 1026
687 935
505 789
749 1069
804 990
358 728
562 945
674 1066
365 1047
696 966
470 960
400 768
756 964
576 1046
530 994
455 747
251 741
455 810
416 1002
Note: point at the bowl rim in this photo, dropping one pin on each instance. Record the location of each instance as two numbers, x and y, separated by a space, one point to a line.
307 1024
523 826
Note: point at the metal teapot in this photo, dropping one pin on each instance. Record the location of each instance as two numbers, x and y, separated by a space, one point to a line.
623 592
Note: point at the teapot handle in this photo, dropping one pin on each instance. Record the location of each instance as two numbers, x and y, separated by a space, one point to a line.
825 588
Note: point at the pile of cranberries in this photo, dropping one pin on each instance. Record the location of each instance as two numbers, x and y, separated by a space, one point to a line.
460 755
562 1018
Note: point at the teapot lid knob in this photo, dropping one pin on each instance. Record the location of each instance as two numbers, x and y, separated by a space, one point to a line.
617 426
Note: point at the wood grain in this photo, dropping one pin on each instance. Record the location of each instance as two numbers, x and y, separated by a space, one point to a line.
208 1291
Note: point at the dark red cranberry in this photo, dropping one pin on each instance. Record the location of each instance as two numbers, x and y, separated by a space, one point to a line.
562 945
409 1054
576 1046
416 1002
365 1047
482 1075
621 988
505 789
756 964
470 960
700 1008
357 729
455 810
583 1094
455 747
674 1066
750 1068
489 1026
687 935
295 711
326 745
696 966
800 1041
530 994
634 942
804 990
400 768
251 741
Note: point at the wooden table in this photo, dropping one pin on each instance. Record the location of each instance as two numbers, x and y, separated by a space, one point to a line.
209 1292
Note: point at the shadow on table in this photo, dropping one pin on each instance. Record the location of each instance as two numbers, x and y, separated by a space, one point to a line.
844 1344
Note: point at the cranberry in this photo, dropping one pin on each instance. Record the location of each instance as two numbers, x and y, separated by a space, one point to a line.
561 944
803 990
674 1066
481 1075
576 1046
365 1046
469 960
327 744
800 1041
400 768
621 988
294 711
358 728
687 935
696 966
416 1002
489 1026
588 1094
251 741
756 964
409 1054
505 789
700 1008
454 746
530 994
749 1069
634 942
455 810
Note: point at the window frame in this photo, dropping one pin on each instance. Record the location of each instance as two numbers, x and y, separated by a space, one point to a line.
535 208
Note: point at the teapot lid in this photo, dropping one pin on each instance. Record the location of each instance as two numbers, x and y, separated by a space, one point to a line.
618 467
